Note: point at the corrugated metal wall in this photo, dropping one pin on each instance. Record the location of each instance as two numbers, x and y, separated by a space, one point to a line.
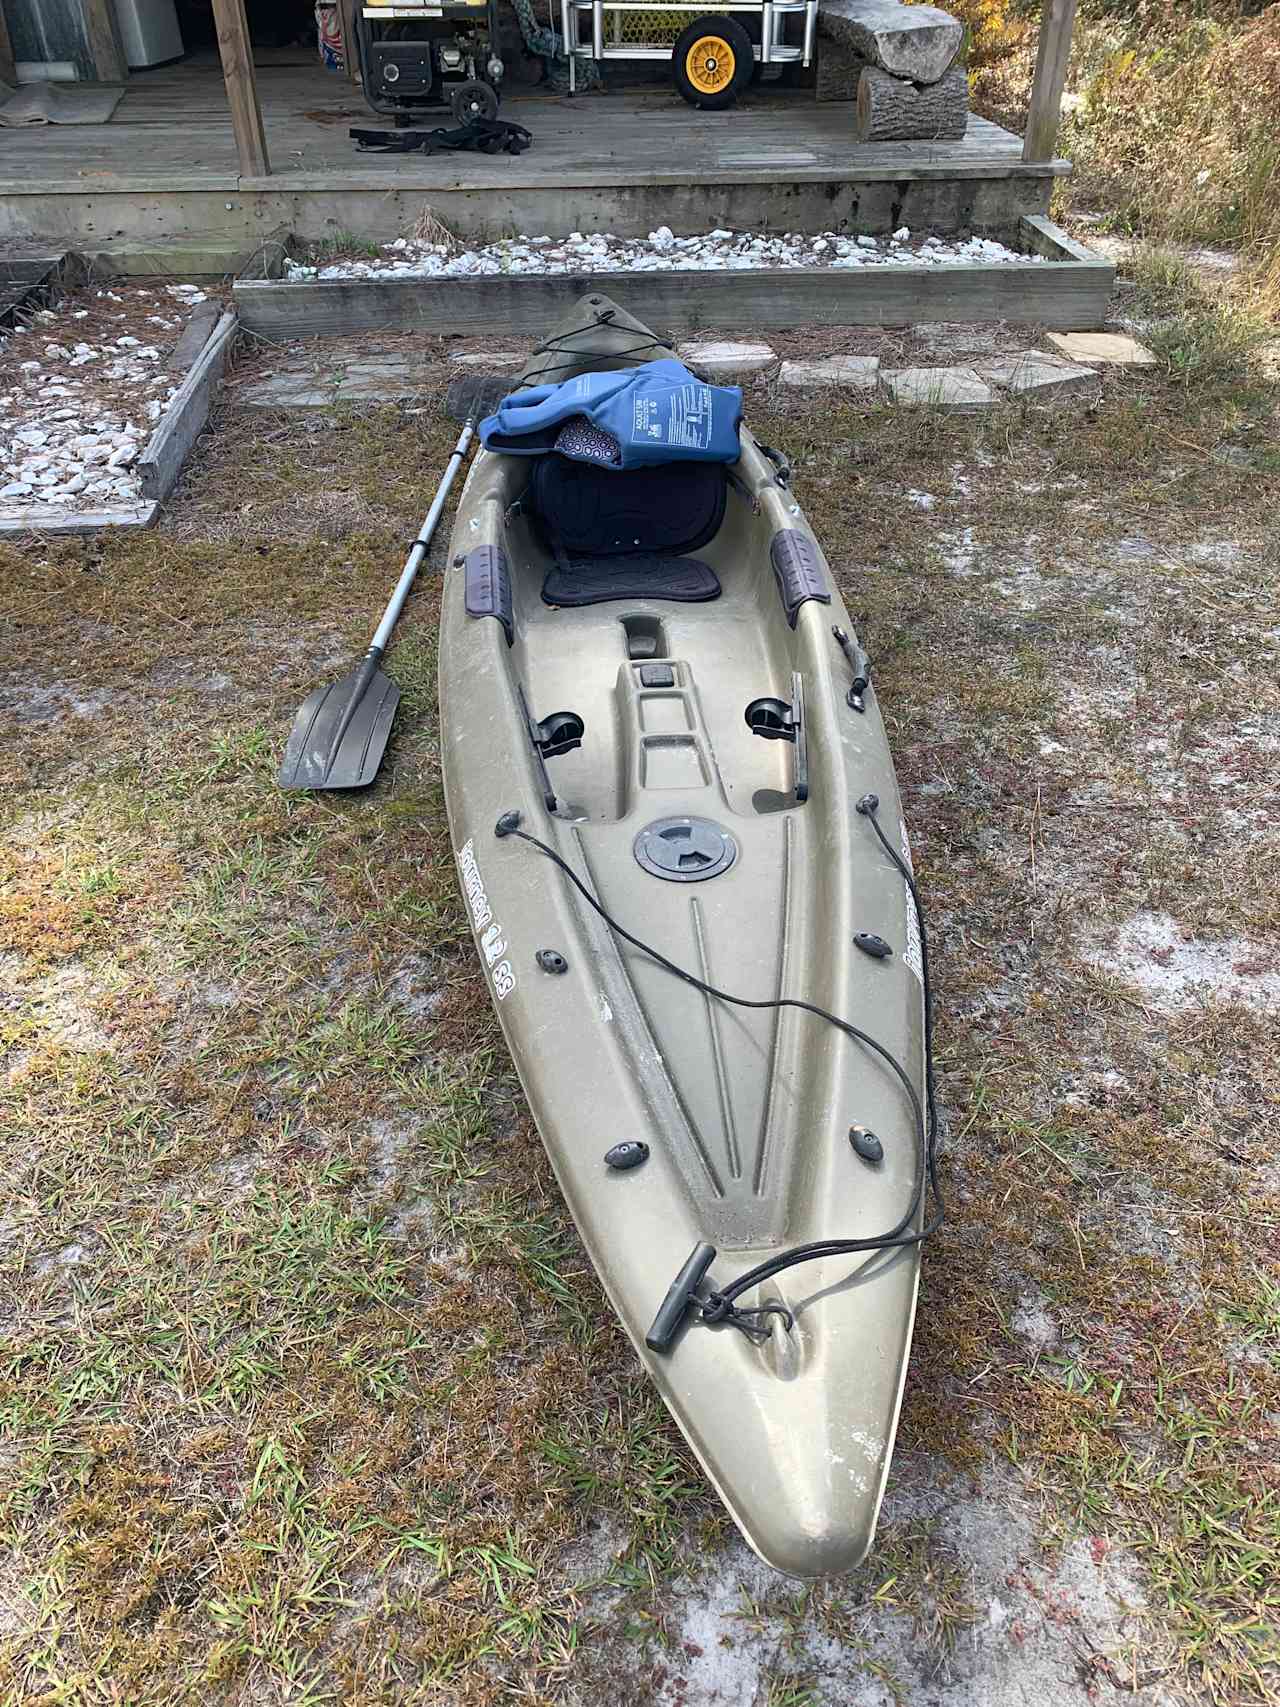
48 30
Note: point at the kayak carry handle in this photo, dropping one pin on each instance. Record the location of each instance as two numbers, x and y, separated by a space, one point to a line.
675 1305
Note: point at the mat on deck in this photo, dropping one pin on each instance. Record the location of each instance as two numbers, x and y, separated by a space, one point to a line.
57 103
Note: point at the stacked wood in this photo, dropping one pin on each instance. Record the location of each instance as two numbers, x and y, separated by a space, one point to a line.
839 68
918 43
903 59
890 109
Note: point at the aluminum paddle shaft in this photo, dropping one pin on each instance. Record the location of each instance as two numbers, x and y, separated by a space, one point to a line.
341 732
382 634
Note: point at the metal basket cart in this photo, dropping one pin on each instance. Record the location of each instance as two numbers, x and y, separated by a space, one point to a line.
713 56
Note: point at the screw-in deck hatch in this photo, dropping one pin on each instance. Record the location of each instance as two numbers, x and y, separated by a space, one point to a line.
685 850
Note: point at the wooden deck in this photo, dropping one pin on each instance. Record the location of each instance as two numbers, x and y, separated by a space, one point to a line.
164 169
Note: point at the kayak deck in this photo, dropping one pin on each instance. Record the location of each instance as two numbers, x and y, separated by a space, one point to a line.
742 860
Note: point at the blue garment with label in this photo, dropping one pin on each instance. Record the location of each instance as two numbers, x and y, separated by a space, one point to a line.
657 412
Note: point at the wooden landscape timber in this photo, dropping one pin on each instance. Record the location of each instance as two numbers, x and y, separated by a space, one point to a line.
49 520
890 109
1069 292
194 336
161 462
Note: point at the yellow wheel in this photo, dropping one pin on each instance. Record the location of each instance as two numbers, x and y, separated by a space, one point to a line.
709 65
711 62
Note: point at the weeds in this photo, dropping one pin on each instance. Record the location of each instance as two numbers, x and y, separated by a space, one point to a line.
1172 126
308 1391
1206 338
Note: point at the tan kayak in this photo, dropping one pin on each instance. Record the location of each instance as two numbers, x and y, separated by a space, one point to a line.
676 726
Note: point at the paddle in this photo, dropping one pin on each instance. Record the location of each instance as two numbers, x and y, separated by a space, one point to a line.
341 730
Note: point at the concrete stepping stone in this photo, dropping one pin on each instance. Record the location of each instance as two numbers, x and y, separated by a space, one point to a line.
1114 349
1037 374
381 381
497 360
722 359
854 373
954 388
287 391
369 379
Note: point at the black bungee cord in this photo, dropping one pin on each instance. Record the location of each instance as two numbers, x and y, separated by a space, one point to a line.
720 1305
560 342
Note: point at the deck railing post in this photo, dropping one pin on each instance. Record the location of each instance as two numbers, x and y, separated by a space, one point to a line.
105 46
7 73
1052 54
236 49
350 24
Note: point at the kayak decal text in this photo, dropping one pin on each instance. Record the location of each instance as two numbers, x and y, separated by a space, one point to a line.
489 933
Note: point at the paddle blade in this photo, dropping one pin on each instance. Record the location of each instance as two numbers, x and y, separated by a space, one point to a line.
473 396
335 744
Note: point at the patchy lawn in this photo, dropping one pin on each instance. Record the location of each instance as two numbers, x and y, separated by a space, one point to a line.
308 1393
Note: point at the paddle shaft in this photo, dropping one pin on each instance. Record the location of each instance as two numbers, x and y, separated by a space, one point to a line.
382 634
378 645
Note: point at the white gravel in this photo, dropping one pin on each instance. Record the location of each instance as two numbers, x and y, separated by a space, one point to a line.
663 251
75 411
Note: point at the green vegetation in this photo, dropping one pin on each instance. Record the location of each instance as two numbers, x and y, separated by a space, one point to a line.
1173 121
307 1393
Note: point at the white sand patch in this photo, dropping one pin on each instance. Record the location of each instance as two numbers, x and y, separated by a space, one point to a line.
1032 1321
1152 952
958 552
62 1005
414 987
50 701
388 1148
737 1636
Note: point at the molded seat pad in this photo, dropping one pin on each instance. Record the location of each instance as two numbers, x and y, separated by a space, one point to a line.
639 575
596 512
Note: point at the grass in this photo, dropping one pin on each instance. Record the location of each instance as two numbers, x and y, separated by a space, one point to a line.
1204 336
1171 125
308 1393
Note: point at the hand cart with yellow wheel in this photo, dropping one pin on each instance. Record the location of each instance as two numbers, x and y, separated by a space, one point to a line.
713 55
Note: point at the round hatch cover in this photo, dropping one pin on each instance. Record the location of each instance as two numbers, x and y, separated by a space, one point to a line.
685 850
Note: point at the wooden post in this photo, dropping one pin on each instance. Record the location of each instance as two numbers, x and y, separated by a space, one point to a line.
350 24
242 87
7 73
1052 54
105 46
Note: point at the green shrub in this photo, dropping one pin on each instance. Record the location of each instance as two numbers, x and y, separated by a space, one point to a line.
1173 117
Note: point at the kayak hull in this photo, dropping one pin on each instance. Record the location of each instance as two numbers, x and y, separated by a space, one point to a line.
745 1112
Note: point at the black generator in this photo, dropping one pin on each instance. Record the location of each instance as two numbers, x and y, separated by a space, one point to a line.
416 56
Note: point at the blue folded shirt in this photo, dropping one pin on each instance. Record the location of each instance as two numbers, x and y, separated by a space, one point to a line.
657 412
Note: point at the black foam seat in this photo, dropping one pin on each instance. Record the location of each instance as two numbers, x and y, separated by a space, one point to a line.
624 533
600 512
630 575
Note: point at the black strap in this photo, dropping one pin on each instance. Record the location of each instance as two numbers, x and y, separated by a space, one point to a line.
483 136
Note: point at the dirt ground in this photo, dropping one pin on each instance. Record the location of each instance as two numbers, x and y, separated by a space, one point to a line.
307 1393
